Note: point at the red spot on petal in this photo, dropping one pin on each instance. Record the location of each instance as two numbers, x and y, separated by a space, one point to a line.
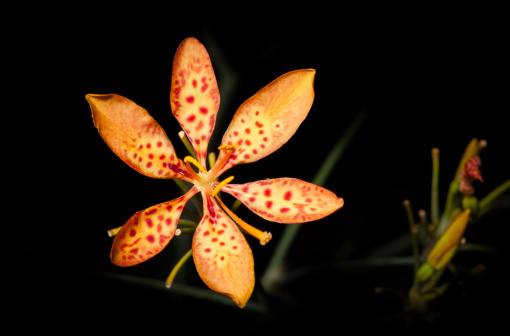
284 210
221 231
194 83
132 233
206 233
169 208
247 131
287 196
269 204
134 251
222 243
151 239
267 192
254 151
190 99
159 144
257 112
214 240
261 132
264 138
168 221
247 142
151 156
191 118
236 133
222 258
148 145
149 164
151 212
149 222
203 110
207 250
309 200
252 199
246 156
162 156
258 124
232 238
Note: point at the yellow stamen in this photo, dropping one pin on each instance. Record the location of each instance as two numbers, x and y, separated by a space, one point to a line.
219 165
177 267
113 232
264 237
195 162
220 185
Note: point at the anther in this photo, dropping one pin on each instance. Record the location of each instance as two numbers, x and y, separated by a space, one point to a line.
195 162
220 185
227 147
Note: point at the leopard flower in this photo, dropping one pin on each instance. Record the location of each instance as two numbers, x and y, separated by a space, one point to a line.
261 125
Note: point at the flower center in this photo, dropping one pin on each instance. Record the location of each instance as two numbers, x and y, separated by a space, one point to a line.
204 179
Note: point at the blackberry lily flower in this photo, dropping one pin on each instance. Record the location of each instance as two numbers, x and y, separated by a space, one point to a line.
261 125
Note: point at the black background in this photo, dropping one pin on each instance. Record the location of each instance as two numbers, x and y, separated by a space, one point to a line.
426 78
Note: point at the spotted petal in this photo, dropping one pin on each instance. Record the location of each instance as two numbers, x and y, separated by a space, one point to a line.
194 95
135 136
267 120
222 256
286 200
148 232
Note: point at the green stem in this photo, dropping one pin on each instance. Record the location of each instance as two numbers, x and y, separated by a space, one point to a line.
271 274
414 231
186 222
434 198
484 202
187 144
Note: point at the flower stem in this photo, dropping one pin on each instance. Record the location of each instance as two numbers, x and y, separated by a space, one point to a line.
434 198
187 144
484 202
177 267
414 231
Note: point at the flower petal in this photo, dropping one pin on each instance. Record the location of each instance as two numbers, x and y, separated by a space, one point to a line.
194 95
148 232
222 256
447 245
286 200
135 136
267 120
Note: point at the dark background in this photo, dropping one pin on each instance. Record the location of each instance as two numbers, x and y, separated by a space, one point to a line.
426 78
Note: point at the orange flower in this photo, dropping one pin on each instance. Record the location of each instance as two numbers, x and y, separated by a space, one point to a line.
261 125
